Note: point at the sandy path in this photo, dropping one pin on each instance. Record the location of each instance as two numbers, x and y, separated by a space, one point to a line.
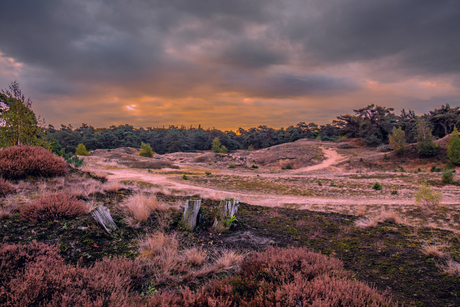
332 157
172 182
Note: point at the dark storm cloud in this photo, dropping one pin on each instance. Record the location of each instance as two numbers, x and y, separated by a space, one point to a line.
209 49
424 35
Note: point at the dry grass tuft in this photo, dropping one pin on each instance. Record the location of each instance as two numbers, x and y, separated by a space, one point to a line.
228 260
162 250
433 250
390 216
194 256
366 223
361 210
138 208
113 186
451 268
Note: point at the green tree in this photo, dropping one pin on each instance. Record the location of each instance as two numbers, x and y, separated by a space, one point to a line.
146 150
425 145
453 149
398 140
216 145
18 124
81 150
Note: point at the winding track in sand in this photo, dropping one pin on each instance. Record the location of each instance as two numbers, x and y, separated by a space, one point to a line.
170 182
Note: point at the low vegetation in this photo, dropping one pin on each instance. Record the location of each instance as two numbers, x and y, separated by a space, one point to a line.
50 207
19 162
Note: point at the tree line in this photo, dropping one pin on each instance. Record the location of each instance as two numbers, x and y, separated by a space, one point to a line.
373 124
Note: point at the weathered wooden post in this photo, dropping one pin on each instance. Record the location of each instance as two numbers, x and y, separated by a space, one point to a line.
192 208
102 215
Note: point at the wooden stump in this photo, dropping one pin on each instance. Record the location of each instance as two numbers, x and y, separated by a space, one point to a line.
192 208
102 215
225 211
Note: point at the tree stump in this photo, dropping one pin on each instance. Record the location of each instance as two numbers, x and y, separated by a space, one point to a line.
225 212
192 208
102 215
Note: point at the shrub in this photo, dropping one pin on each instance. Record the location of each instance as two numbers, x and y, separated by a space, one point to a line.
385 157
53 206
394 192
207 173
231 166
288 166
5 187
35 275
185 177
319 183
254 166
81 150
146 150
398 140
435 169
223 149
447 177
251 148
216 145
377 186
426 197
19 162
453 149
425 145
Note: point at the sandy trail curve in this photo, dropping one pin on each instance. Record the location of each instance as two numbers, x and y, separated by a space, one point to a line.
172 182
332 157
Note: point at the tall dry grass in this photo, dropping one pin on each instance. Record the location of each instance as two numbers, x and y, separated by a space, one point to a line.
139 207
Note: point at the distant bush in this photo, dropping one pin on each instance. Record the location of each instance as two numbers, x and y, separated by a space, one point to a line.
231 166
447 177
425 145
377 186
394 192
254 166
207 173
288 166
398 140
53 206
81 150
435 169
146 150
216 145
185 177
251 148
19 162
385 157
5 187
453 149
427 197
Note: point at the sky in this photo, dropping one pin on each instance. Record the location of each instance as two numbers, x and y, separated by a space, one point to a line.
228 64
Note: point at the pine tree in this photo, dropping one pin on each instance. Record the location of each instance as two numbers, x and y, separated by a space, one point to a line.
398 140
216 145
19 125
453 149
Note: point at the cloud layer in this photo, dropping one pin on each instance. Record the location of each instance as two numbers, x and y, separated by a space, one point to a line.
228 64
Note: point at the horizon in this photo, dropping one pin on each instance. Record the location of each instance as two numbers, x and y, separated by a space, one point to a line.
228 65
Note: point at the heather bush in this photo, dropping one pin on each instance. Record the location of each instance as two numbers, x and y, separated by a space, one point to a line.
53 206
5 187
281 277
19 162
35 275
